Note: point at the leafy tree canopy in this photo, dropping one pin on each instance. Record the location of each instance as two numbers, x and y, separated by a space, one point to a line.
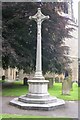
19 36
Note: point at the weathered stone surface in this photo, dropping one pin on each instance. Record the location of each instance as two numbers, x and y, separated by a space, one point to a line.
37 97
37 106
66 87
57 80
38 86
39 18
51 82
33 100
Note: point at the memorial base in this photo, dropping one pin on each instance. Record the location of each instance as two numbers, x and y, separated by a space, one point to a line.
38 98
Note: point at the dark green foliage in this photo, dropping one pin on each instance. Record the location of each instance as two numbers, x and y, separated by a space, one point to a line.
19 36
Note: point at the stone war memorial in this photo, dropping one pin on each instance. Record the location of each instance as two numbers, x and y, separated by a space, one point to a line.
38 97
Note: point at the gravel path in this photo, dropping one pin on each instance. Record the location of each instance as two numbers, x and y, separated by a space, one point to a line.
69 110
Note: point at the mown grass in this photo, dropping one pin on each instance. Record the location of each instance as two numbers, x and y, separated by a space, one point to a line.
29 116
17 89
14 89
56 90
21 116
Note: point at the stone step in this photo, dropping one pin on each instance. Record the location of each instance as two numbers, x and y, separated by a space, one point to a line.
37 101
37 96
27 106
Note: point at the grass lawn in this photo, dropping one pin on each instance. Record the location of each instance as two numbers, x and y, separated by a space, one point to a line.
17 89
14 89
56 90
27 116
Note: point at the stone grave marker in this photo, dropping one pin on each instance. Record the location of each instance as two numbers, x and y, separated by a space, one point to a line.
66 84
66 87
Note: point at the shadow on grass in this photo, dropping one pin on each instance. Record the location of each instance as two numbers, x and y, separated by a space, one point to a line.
17 89
14 89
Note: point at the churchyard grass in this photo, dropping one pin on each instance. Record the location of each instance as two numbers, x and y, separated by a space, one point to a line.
29 116
56 90
17 89
14 89
21 116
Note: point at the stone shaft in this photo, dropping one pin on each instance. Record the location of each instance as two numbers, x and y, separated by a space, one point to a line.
39 18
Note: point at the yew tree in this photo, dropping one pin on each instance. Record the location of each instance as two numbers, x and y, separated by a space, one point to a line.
19 36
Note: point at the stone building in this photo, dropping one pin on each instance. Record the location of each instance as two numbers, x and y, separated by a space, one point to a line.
73 44
10 74
66 10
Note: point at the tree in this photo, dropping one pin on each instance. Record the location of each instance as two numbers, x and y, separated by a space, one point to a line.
19 36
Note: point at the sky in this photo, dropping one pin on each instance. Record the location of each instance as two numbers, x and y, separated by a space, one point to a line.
75 8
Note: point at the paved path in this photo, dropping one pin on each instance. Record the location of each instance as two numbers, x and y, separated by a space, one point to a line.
69 110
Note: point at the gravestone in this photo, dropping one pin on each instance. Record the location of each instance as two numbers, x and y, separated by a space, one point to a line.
57 80
38 96
65 87
51 81
66 84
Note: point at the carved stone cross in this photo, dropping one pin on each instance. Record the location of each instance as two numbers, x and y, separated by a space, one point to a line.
39 18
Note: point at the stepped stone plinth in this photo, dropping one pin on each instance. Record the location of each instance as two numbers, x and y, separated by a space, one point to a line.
37 98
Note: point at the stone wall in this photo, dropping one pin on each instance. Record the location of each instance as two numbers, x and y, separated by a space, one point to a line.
10 74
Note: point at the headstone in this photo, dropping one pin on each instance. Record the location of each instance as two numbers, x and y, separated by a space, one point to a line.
65 88
70 82
51 82
56 79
